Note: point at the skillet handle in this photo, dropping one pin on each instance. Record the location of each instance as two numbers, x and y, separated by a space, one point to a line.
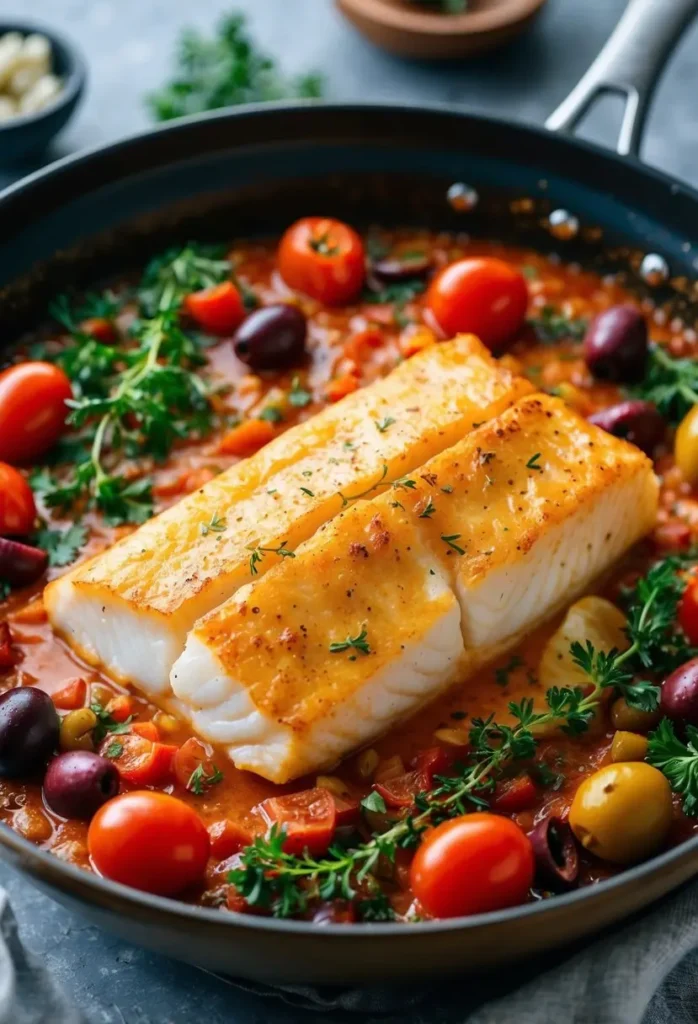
629 65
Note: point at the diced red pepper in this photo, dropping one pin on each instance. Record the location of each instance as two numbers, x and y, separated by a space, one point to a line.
191 755
138 760
8 656
348 811
219 309
148 730
71 696
227 838
518 795
308 818
120 707
100 328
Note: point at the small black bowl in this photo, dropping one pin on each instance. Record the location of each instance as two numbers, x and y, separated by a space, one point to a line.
30 133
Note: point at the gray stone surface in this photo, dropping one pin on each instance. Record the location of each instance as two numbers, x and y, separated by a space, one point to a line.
128 44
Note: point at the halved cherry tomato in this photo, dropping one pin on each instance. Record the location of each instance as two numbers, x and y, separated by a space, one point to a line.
17 508
673 536
150 841
120 707
219 309
247 438
191 756
100 328
32 410
432 761
323 258
308 819
138 760
514 796
481 295
472 864
348 811
227 838
71 696
688 610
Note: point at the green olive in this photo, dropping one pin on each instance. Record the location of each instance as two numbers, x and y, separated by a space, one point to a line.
686 446
630 719
76 730
622 813
628 746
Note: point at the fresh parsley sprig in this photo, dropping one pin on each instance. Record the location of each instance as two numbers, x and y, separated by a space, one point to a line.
678 761
671 384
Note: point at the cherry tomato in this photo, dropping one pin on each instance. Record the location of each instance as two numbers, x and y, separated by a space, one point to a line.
150 841
401 790
471 865
219 309
100 328
227 838
323 258
688 611
32 410
308 818
516 795
17 508
483 296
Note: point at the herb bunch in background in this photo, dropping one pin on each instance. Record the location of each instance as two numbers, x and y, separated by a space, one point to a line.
225 70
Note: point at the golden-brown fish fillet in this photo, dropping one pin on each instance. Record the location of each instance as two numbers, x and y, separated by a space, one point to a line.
418 587
129 609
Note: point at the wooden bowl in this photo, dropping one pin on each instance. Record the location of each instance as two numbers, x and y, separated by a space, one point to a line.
410 30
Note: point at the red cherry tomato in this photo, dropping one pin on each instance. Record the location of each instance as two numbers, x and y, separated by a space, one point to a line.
227 838
688 611
32 410
471 865
516 795
219 309
71 695
150 841
483 296
308 818
17 508
100 328
323 258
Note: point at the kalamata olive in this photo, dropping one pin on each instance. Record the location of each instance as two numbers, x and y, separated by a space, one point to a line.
78 783
638 422
271 337
557 857
622 812
394 269
28 730
615 345
21 564
679 698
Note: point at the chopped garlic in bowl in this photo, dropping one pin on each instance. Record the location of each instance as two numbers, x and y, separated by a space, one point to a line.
27 83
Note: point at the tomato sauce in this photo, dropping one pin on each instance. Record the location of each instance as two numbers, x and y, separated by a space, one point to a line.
351 346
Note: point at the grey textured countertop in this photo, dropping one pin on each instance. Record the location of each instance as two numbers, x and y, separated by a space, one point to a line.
128 45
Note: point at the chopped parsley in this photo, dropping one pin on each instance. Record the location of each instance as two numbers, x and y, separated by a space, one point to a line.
199 782
428 510
374 802
107 724
272 414
552 326
62 546
501 675
298 397
114 749
382 425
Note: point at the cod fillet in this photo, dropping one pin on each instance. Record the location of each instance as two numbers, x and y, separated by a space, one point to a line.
129 610
402 595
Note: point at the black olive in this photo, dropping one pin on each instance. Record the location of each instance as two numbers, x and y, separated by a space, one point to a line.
78 782
637 421
28 730
272 337
556 854
616 345
394 269
21 564
679 697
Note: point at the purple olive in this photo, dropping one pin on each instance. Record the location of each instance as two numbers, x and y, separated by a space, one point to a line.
394 269
679 697
616 346
638 422
556 854
78 782
21 564
28 731
272 337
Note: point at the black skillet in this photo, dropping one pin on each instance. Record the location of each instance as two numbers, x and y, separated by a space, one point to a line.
240 173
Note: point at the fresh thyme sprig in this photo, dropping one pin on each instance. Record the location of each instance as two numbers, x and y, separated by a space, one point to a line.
258 554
